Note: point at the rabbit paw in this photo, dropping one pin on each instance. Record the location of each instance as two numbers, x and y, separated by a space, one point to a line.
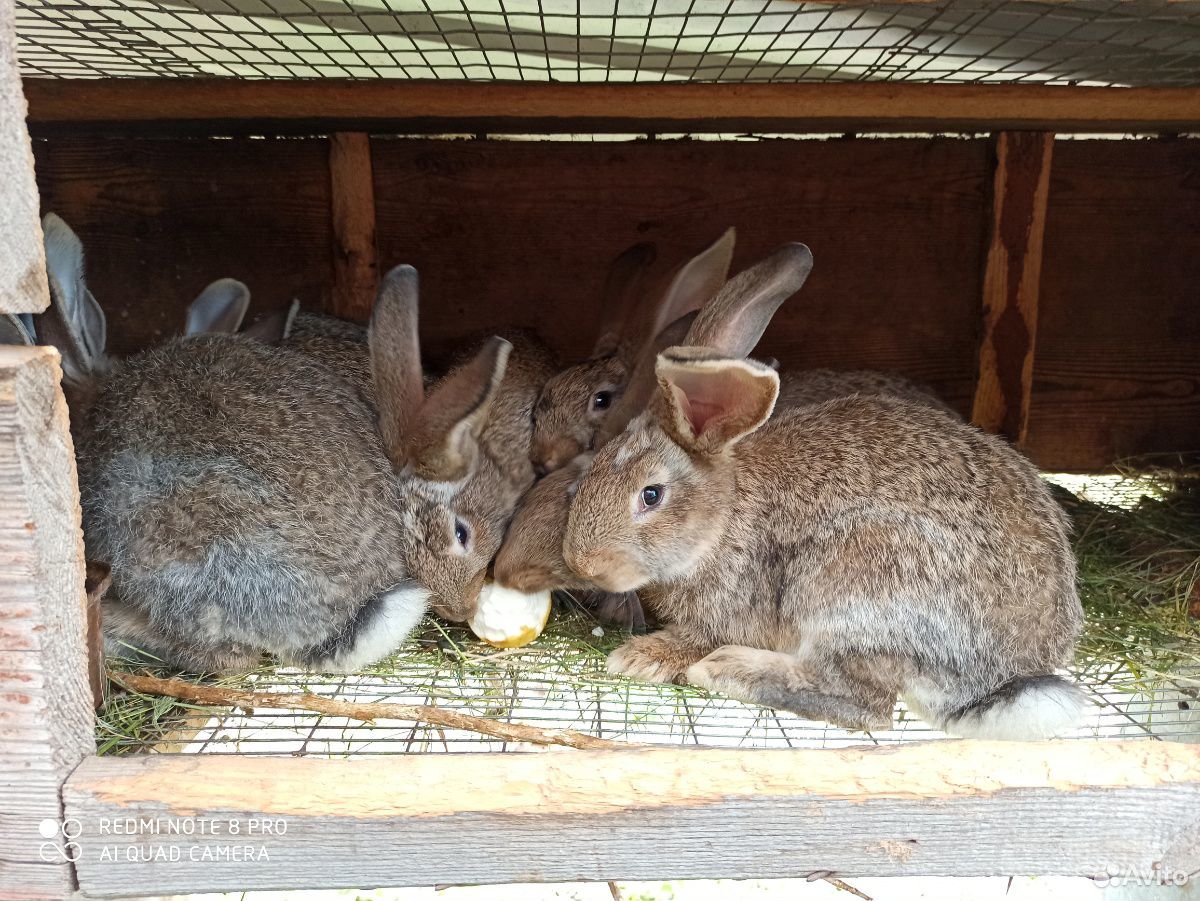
653 658
731 669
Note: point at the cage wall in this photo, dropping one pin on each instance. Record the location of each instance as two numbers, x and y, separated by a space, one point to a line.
520 232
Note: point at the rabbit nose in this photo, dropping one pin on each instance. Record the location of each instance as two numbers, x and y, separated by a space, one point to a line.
540 470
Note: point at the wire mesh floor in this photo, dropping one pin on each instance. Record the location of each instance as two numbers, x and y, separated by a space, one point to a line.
1100 42
559 683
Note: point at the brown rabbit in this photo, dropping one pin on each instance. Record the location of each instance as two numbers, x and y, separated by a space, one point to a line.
825 559
576 402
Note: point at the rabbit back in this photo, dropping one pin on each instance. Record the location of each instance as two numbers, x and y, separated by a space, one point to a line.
240 493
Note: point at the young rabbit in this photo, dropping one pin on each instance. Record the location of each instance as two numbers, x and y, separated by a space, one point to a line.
575 403
249 500
825 559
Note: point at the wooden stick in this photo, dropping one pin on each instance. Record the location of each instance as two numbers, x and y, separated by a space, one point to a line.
1011 281
213 695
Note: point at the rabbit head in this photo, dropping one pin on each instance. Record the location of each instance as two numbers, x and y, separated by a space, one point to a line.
575 403
657 496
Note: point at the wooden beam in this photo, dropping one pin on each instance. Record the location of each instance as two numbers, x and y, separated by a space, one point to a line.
45 702
431 107
22 263
1011 280
944 808
352 199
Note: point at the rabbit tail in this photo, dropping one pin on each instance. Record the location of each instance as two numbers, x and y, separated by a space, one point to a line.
1024 708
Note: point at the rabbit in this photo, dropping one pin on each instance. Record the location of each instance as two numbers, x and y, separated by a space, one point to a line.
829 557
249 500
575 402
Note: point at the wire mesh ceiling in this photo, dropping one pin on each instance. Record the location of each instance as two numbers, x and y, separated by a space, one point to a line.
1095 42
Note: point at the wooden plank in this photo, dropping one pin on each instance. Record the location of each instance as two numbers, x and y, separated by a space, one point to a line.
22 264
352 195
898 229
1010 283
160 219
429 106
944 808
1117 371
45 700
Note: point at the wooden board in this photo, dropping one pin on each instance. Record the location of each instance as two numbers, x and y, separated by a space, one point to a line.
45 701
961 808
1011 283
414 107
160 219
1118 360
22 265
507 232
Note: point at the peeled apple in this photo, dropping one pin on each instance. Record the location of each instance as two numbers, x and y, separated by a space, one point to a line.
505 618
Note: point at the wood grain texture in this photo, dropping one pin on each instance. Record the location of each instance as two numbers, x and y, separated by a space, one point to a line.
1011 283
352 196
415 107
1118 362
520 233
160 219
22 263
45 701
963 808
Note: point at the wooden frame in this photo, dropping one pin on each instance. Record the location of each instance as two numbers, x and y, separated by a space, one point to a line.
497 107
954 808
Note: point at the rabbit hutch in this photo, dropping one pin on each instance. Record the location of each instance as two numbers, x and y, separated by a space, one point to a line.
1002 198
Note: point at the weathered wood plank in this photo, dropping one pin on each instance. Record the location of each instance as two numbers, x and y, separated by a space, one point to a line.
416 107
45 701
963 808
160 219
1117 371
352 196
1011 281
22 263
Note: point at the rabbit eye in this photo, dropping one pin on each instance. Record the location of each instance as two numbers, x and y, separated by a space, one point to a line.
652 496
461 533
601 400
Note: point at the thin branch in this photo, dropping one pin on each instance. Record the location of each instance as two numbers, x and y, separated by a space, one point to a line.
213 695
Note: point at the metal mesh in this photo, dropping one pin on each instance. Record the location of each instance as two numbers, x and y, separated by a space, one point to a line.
552 685
1102 42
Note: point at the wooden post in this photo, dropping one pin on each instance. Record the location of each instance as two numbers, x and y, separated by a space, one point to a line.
355 267
167 824
22 264
1010 283
46 718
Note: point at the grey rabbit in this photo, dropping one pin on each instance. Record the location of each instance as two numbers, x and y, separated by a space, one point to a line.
833 555
250 500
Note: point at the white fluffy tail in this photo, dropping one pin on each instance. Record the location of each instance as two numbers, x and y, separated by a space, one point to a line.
1022 709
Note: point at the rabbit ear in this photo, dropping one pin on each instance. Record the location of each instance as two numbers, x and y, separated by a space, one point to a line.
622 291
274 327
14 329
396 359
734 321
711 402
74 324
696 283
640 387
220 307
444 444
